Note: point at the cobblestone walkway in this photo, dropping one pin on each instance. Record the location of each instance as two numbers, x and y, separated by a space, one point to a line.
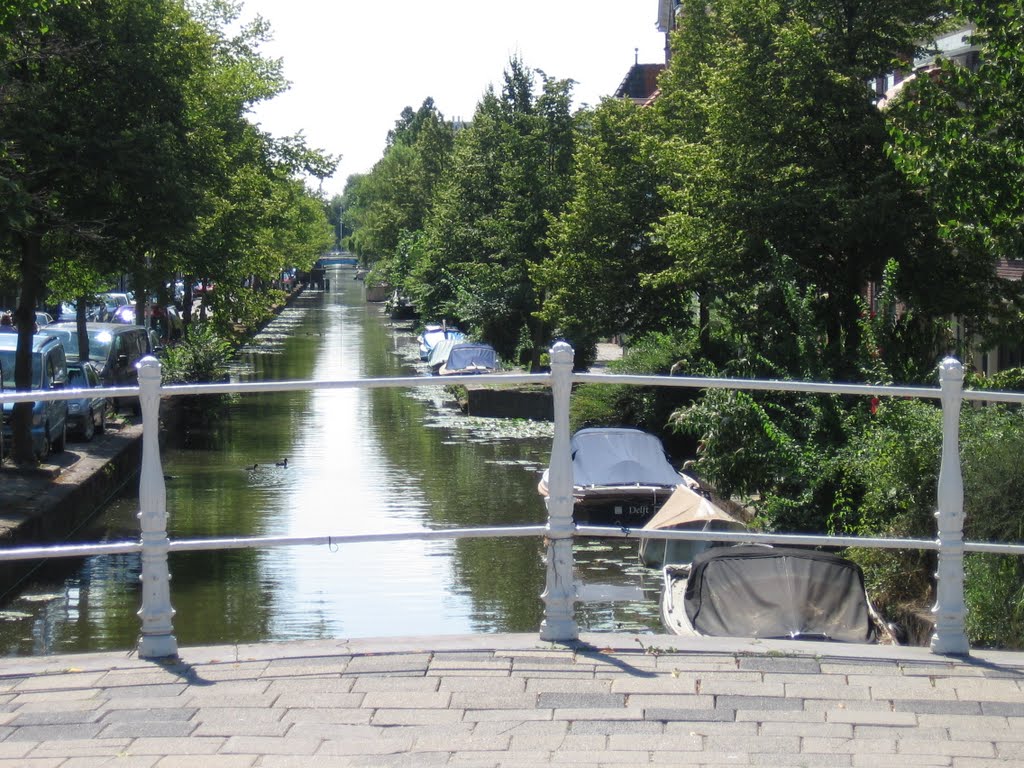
511 700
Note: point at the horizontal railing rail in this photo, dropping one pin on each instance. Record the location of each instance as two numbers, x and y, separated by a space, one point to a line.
561 592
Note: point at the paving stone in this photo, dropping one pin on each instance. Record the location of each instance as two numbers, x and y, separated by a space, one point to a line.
269 745
474 700
930 706
901 761
780 664
241 727
209 761
799 761
388 664
690 715
758 702
489 685
708 728
315 685
64 732
718 687
615 726
556 700
808 730
914 746
899 732
327 716
415 716
778 745
830 745
81 748
136 728
60 717
404 700
495 715
319 700
381 746
542 685
366 683
677 742
193 745
907 719
670 701
1005 708
704 758
808 689
123 761
65 682
600 713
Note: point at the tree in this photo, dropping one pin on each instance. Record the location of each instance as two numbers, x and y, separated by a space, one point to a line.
510 171
94 131
390 203
786 154
596 281
957 135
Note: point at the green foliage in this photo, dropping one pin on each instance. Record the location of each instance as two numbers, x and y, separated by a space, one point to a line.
595 281
957 135
785 152
200 357
648 408
994 591
510 171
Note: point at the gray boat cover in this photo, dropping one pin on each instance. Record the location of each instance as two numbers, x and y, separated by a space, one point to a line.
769 592
603 456
466 355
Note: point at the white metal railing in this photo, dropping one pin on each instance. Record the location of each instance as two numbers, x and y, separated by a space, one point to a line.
561 592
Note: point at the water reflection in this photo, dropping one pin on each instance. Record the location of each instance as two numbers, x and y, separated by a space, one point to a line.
357 461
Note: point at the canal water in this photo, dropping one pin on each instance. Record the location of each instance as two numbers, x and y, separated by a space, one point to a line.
332 462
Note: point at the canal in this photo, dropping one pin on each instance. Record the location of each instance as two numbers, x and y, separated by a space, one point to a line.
322 463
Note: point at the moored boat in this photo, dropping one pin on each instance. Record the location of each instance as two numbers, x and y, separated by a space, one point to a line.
766 592
434 334
468 358
688 508
620 475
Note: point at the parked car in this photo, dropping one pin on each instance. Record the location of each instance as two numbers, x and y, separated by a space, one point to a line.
87 415
114 347
49 373
43 318
94 312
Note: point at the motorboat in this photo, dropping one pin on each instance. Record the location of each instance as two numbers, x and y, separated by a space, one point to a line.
766 592
620 475
434 334
467 358
689 508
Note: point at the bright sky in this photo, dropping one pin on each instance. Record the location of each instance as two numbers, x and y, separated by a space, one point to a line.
355 64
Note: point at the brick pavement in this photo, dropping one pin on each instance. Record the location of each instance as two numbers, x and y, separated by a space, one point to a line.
511 700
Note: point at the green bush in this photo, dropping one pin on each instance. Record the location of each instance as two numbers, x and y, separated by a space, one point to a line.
648 408
200 357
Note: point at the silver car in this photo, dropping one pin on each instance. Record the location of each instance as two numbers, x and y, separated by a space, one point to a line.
87 414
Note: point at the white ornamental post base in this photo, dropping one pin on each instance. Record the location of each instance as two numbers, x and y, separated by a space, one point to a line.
559 595
157 639
949 637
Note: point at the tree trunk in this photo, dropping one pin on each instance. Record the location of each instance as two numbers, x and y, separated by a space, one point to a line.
33 270
704 327
83 334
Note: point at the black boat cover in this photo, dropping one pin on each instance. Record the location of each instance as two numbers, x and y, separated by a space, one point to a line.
770 592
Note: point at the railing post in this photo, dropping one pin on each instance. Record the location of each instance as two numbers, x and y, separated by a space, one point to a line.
949 637
559 623
157 639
